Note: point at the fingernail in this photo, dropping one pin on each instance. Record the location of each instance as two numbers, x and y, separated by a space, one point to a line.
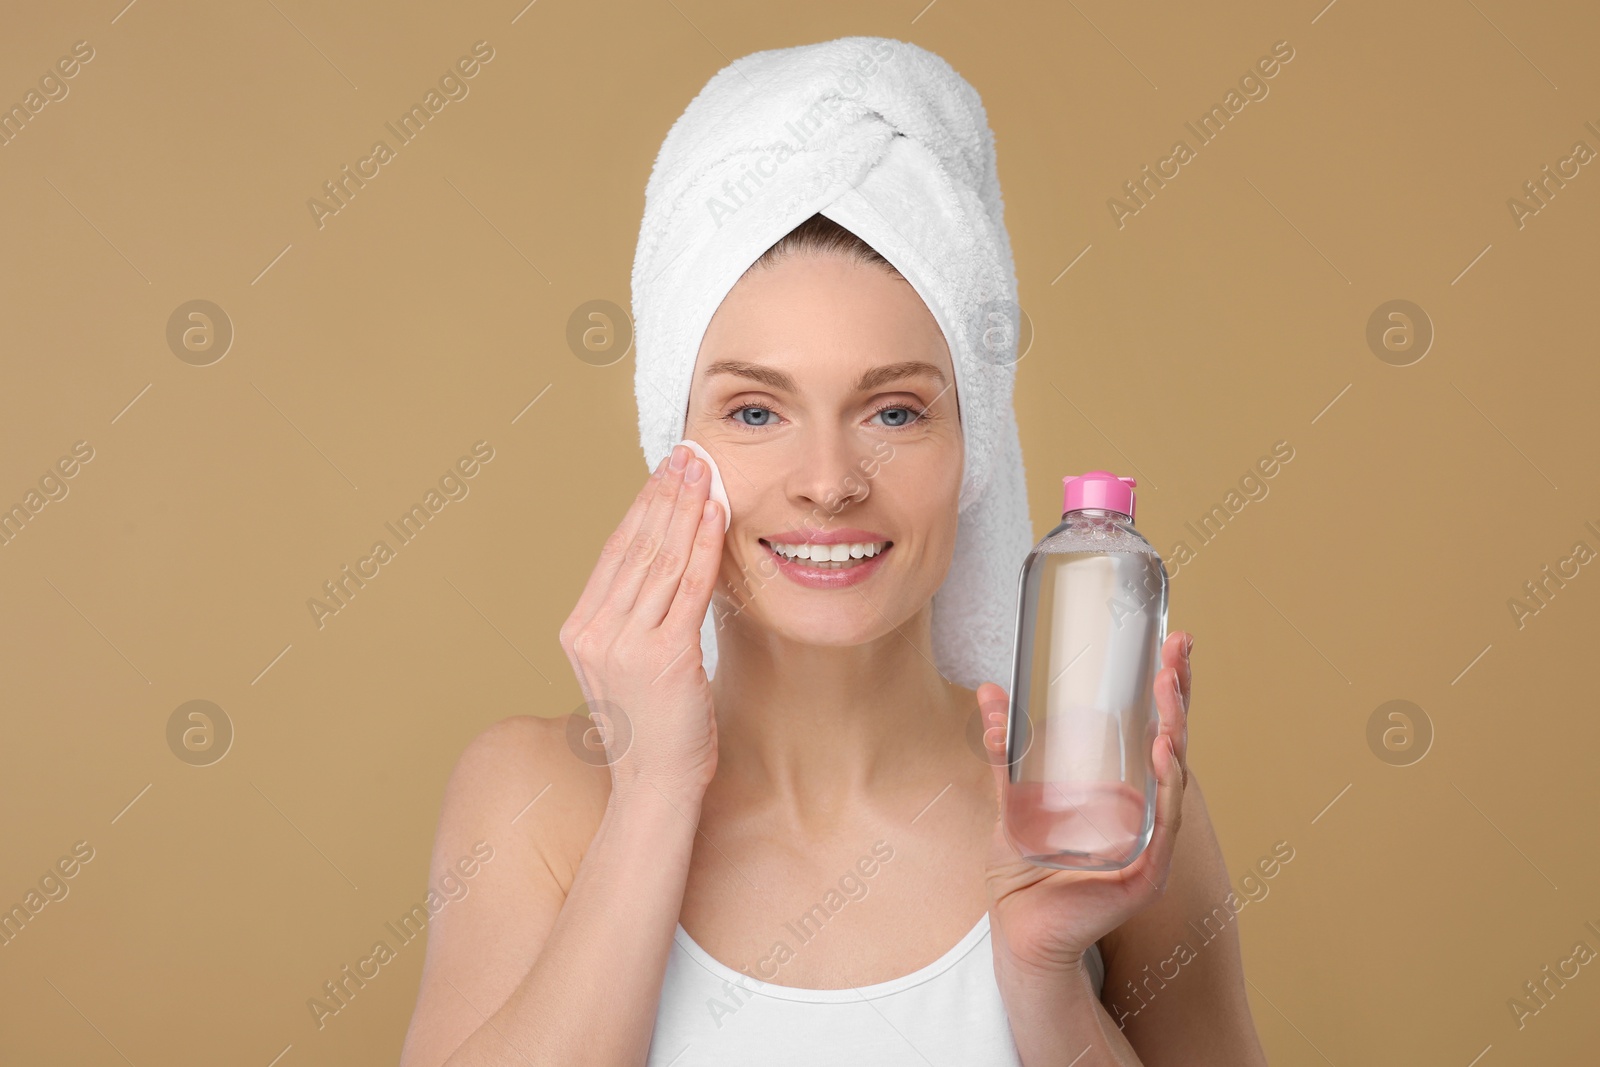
680 456
697 469
1188 645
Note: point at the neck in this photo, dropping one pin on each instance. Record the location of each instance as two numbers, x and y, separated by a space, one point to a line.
816 729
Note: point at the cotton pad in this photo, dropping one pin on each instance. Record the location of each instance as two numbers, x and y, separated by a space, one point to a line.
718 492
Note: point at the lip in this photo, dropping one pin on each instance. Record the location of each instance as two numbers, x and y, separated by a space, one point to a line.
801 572
826 537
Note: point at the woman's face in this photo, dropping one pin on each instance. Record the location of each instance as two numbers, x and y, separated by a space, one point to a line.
825 392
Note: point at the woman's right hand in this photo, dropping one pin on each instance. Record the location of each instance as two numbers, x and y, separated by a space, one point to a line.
634 637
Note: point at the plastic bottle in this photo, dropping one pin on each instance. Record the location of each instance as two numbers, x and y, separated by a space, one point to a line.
1091 619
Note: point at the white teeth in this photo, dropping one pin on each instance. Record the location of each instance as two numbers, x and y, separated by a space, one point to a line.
833 553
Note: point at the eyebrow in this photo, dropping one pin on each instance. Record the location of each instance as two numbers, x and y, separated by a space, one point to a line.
872 378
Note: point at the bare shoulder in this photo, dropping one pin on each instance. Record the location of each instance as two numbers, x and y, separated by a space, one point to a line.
518 812
515 753
1174 972
520 784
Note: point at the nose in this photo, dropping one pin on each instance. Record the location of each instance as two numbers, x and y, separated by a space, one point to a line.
827 475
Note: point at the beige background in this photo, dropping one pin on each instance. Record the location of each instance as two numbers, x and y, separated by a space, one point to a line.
1229 314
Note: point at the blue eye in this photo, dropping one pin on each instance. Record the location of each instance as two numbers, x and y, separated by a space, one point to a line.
895 416
898 416
764 420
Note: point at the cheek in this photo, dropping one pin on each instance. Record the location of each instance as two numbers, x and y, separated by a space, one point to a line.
922 512
746 569
923 486
942 541
749 562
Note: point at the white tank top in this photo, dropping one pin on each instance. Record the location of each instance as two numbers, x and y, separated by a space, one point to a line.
947 1012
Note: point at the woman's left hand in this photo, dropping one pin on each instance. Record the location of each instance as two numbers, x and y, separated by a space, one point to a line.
1044 919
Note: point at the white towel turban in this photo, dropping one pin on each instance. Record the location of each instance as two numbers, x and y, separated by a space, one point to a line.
886 139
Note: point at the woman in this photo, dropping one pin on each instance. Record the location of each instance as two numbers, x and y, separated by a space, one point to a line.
794 857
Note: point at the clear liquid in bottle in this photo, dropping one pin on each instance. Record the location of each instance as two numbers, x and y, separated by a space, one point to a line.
1092 616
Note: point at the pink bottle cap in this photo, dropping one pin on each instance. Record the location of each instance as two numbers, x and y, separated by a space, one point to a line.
1098 489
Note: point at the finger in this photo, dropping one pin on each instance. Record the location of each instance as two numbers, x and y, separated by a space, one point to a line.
993 709
1175 653
1187 675
648 540
1156 861
1178 717
666 572
693 593
1169 708
611 556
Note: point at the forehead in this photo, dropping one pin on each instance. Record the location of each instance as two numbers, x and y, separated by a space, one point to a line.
821 317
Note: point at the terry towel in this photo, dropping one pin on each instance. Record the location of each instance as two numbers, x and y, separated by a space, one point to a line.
886 139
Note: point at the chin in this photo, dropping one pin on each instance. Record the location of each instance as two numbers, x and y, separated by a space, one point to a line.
838 618
827 627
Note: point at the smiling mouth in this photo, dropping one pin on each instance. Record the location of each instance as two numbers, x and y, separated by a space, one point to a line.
821 557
